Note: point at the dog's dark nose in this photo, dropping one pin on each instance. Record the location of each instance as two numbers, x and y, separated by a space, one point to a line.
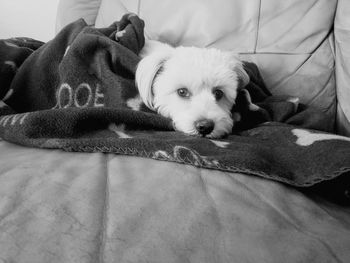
204 126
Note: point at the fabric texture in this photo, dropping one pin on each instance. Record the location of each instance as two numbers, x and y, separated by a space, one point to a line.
74 93
342 40
90 207
58 206
71 10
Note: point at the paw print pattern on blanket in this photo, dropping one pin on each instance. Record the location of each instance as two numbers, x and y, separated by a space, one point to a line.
9 44
119 34
12 64
306 138
161 155
134 103
65 52
119 130
8 95
220 144
184 154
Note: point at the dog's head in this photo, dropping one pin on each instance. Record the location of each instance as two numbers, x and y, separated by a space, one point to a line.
195 87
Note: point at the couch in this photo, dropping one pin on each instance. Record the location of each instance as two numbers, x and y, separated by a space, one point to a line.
58 206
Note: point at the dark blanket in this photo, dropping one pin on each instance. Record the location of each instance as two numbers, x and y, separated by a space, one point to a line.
77 93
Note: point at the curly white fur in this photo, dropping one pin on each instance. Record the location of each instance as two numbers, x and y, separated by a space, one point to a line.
164 70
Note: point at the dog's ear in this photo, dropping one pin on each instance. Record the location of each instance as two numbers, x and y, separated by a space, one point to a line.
147 70
243 77
238 67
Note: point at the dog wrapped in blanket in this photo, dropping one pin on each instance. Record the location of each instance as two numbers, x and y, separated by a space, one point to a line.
203 92
195 87
66 93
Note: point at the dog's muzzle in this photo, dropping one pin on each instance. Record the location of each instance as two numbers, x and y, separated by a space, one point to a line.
205 126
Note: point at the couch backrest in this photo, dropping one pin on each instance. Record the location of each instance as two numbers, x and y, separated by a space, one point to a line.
342 47
292 41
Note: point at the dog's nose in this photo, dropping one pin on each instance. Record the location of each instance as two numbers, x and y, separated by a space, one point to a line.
204 126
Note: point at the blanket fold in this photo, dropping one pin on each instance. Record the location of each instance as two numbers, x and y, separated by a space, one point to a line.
77 93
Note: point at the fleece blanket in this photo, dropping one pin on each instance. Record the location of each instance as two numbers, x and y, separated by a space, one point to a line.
77 93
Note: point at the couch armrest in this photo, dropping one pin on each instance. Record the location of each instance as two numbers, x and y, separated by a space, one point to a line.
342 63
71 10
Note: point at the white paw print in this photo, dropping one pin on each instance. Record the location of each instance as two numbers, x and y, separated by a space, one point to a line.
119 130
134 103
119 34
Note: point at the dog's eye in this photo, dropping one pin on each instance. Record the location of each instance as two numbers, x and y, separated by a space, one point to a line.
183 92
218 94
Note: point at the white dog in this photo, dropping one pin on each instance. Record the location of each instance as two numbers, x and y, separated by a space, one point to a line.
195 87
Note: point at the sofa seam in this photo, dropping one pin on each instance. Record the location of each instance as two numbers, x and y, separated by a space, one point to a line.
257 28
138 7
101 249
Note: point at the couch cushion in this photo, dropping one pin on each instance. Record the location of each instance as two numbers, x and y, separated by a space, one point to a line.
59 206
191 23
244 26
342 44
294 26
307 76
71 10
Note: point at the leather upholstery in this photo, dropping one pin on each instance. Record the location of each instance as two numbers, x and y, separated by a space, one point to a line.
342 62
